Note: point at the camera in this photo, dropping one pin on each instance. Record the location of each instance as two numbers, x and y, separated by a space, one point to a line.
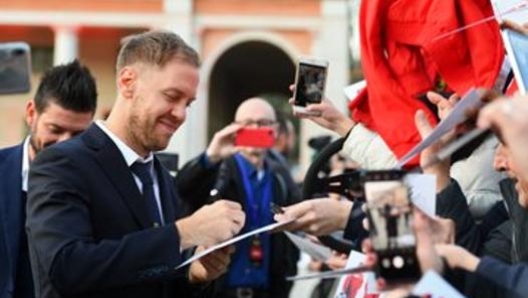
15 68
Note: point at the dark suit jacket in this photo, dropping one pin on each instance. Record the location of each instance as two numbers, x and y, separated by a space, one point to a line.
194 182
15 271
88 230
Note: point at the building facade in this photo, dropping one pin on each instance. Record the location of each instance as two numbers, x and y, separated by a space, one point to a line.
248 48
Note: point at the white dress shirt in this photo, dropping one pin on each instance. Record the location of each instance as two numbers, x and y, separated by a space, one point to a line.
131 157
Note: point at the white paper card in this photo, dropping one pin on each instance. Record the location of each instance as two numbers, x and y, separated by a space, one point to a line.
470 101
329 274
434 286
515 43
513 10
234 240
316 251
353 90
422 188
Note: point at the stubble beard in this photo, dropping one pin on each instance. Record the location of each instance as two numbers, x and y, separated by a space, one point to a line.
33 143
142 134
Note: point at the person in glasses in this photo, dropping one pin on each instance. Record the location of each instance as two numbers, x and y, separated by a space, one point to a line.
248 176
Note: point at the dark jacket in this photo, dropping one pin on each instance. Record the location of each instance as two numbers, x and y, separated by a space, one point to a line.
15 270
197 178
89 233
509 279
519 219
500 236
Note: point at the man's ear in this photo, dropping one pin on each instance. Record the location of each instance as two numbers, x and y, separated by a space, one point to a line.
126 81
31 113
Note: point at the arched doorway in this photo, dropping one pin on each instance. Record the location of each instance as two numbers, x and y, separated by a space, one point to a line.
247 69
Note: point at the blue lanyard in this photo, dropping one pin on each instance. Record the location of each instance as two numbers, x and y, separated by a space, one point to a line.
256 220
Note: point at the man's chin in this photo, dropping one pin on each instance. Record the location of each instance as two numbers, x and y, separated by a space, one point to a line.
255 152
255 156
158 144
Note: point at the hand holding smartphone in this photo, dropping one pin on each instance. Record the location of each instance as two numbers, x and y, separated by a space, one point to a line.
390 216
262 137
310 81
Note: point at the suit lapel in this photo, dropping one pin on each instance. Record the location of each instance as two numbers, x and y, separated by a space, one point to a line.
113 164
11 209
167 193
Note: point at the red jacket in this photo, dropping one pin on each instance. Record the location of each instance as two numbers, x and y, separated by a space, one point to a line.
401 60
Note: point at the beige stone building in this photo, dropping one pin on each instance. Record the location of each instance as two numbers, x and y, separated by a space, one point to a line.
248 48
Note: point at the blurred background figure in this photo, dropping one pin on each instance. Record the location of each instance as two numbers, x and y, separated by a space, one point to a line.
285 140
63 107
247 175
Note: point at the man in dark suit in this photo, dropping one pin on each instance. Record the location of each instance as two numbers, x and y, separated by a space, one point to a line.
63 106
103 216
260 264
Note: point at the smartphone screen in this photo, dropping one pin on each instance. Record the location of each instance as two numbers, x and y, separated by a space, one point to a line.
390 223
14 68
310 82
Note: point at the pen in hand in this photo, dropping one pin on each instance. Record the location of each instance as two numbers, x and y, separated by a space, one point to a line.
276 209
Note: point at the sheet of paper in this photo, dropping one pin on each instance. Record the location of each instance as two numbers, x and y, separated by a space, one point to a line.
351 91
422 189
513 10
470 101
357 285
515 43
433 285
316 251
517 47
330 274
234 240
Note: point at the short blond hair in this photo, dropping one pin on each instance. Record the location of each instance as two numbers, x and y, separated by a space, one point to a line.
155 48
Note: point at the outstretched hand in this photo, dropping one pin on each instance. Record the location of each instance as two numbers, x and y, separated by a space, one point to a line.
428 155
316 217
326 115
429 259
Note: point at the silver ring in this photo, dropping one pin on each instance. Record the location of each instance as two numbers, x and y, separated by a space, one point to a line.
507 108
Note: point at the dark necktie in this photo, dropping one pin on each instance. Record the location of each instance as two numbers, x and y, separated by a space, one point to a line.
142 170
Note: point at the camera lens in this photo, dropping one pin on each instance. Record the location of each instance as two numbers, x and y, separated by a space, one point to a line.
17 52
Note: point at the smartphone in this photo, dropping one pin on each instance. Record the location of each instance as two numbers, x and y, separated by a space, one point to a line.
389 212
15 68
310 81
262 137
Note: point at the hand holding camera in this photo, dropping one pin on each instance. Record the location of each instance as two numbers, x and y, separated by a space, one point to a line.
222 146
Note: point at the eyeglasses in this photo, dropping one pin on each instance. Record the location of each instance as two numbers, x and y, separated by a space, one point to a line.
257 122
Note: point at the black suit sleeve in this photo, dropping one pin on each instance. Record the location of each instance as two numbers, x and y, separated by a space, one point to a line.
511 278
451 203
62 239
